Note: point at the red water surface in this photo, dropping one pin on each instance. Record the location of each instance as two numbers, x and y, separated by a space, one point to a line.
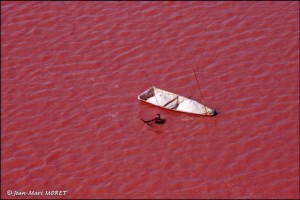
71 73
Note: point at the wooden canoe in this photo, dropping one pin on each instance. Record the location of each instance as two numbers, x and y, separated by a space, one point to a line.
175 102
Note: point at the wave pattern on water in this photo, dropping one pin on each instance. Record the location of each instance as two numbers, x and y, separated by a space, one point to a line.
71 72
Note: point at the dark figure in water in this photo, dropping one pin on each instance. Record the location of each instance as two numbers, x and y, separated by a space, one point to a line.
157 120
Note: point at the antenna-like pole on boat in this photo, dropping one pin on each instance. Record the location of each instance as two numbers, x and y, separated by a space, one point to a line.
153 89
200 90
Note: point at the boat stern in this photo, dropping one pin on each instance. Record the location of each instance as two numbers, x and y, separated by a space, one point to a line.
146 94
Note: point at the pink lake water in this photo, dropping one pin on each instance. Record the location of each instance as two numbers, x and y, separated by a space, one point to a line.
71 73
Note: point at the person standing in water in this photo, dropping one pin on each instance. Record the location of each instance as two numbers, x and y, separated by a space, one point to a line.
157 120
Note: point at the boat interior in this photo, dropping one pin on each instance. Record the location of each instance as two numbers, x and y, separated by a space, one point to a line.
161 98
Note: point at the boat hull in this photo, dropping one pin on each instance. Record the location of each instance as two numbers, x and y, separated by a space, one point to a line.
171 101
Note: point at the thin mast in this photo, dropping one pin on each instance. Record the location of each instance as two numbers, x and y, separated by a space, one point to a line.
200 91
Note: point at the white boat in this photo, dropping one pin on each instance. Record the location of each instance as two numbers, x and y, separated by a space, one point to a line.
175 102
